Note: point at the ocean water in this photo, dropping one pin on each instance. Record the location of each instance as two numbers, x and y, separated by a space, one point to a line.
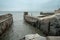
19 28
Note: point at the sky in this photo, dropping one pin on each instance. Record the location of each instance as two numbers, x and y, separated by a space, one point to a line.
29 5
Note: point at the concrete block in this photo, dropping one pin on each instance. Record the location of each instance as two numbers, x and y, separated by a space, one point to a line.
34 37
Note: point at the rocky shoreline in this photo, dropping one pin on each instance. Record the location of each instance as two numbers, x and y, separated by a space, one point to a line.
50 24
5 22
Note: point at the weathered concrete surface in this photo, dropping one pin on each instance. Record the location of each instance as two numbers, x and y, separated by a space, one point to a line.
47 13
53 37
38 37
5 22
29 19
50 25
34 37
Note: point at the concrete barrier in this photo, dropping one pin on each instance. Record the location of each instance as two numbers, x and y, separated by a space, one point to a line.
47 13
45 23
5 22
29 19
50 25
53 37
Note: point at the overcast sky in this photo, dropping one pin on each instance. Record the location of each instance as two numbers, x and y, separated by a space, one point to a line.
29 5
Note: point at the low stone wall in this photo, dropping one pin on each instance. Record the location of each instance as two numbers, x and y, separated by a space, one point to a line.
5 22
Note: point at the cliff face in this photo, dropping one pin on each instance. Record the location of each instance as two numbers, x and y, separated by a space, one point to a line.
5 22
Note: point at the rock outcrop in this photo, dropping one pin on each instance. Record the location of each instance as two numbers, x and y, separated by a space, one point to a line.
50 25
5 22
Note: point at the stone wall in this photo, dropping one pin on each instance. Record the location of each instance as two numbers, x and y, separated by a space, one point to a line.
50 24
5 22
46 14
29 19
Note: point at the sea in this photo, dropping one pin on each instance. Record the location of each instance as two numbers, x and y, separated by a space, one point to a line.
19 28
